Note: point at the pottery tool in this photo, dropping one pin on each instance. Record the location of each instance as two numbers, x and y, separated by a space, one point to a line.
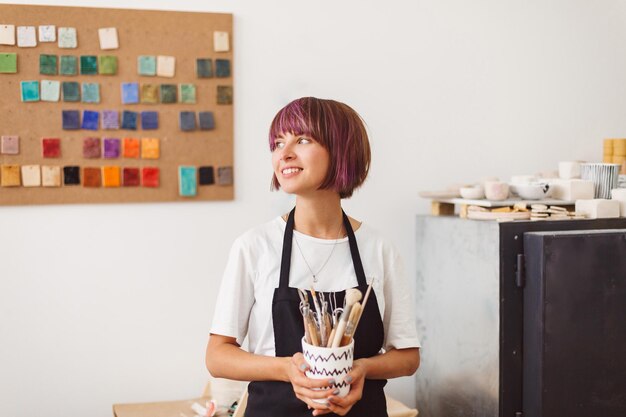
355 312
352 296
367 296
304 306
320 319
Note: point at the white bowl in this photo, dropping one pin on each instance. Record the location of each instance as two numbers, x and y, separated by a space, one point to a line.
472 193
535 191
496 190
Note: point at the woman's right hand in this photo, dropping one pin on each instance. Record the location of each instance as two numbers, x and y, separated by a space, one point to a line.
303 386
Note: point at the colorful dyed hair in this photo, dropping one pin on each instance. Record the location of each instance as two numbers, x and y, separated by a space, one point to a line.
339 129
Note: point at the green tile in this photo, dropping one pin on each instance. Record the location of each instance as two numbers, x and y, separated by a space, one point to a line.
68 65
88 65
71 91
168 93
187 93
30 90
8 63
107 64
146 65
91 93
204 68
48 64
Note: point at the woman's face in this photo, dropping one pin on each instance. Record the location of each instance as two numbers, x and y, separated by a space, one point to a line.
300 163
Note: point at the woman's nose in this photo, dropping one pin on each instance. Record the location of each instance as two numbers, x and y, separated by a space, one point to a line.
287 153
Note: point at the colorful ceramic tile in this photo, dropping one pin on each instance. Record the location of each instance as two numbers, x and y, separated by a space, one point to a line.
130 177
187 183
149 93
221 42
130 148
108 38
10 176
71 119
111 176
207 120
7 34
71 91
224 94
187 121
206 176
68 65
47 33
150 148
187 93
149 120
68 38
168 93
31 175
225 175
110 119
26 36
166 66
30 90
107 65
129 120
146 65
91 148
47 64
8 63
92 177
91 120
88 65
51 175
222 68
91 93
112 148
150 176
50 90
51 147
130 93
71 175
204 68
10 145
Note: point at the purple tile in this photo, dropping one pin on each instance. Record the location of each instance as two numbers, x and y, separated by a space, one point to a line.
90 120
111 148
149 120
110 119
71 119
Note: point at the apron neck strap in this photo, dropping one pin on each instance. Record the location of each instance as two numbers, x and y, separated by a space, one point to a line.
285 264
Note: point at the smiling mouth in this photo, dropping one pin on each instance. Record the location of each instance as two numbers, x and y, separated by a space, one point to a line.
288 171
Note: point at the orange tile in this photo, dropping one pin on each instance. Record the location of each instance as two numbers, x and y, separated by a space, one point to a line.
10 176
111 176
92 177
150 148
130 148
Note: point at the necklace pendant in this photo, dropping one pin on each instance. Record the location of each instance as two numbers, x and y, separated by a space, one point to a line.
314 279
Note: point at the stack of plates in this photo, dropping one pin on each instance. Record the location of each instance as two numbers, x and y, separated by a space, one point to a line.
543 212
604 177
621 181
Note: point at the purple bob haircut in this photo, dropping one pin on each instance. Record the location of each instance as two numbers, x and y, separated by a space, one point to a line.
339 129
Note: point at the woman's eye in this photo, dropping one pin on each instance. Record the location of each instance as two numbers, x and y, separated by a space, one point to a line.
278 145
304 140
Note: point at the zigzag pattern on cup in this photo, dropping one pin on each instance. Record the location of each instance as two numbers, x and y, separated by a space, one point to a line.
319 358
325 372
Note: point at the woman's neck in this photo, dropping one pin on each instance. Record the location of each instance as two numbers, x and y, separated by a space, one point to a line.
320 216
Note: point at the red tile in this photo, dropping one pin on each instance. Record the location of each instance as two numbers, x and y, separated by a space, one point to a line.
150 177
131 177
51 147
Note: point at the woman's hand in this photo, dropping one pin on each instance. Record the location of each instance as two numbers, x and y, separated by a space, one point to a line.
356 379
303 386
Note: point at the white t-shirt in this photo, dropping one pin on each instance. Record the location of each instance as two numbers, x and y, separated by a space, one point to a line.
244 303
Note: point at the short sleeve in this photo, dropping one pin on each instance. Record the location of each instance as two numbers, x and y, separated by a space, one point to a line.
399 315
236 295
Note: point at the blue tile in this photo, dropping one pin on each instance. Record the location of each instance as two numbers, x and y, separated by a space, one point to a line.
90 120
130 93
187 121
187 182
222 68
149 120
71 119
207 120
129 120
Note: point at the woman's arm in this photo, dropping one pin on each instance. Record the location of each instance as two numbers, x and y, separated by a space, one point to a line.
392 364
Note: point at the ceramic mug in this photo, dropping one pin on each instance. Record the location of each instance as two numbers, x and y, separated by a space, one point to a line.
327 363
496 190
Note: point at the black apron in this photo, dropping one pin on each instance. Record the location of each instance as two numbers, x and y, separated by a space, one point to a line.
276 398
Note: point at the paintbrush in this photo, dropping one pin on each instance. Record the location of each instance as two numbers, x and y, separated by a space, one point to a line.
352 296
367 296
350 327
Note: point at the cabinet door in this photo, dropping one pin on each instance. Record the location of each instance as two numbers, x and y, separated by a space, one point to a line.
574 356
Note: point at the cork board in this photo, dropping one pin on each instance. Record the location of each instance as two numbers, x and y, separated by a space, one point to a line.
184 35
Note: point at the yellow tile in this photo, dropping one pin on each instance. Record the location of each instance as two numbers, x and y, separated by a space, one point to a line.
150 148
111 176
10 176
149 93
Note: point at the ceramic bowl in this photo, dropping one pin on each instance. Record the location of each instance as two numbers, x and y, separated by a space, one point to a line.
496 190
472 193
533 191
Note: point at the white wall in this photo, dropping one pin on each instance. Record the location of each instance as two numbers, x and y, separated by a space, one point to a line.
112 303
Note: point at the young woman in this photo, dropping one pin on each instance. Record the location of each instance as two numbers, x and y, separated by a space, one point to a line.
320 153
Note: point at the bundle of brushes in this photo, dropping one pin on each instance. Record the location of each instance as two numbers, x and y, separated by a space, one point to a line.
335 327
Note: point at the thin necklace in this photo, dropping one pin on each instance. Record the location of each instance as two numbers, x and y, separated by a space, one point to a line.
315 274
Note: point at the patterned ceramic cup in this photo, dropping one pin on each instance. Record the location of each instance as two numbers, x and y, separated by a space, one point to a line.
326 363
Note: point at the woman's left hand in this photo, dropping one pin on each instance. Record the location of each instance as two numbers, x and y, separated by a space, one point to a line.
356 379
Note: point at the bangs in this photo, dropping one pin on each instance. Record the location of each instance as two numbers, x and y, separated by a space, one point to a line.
294 119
